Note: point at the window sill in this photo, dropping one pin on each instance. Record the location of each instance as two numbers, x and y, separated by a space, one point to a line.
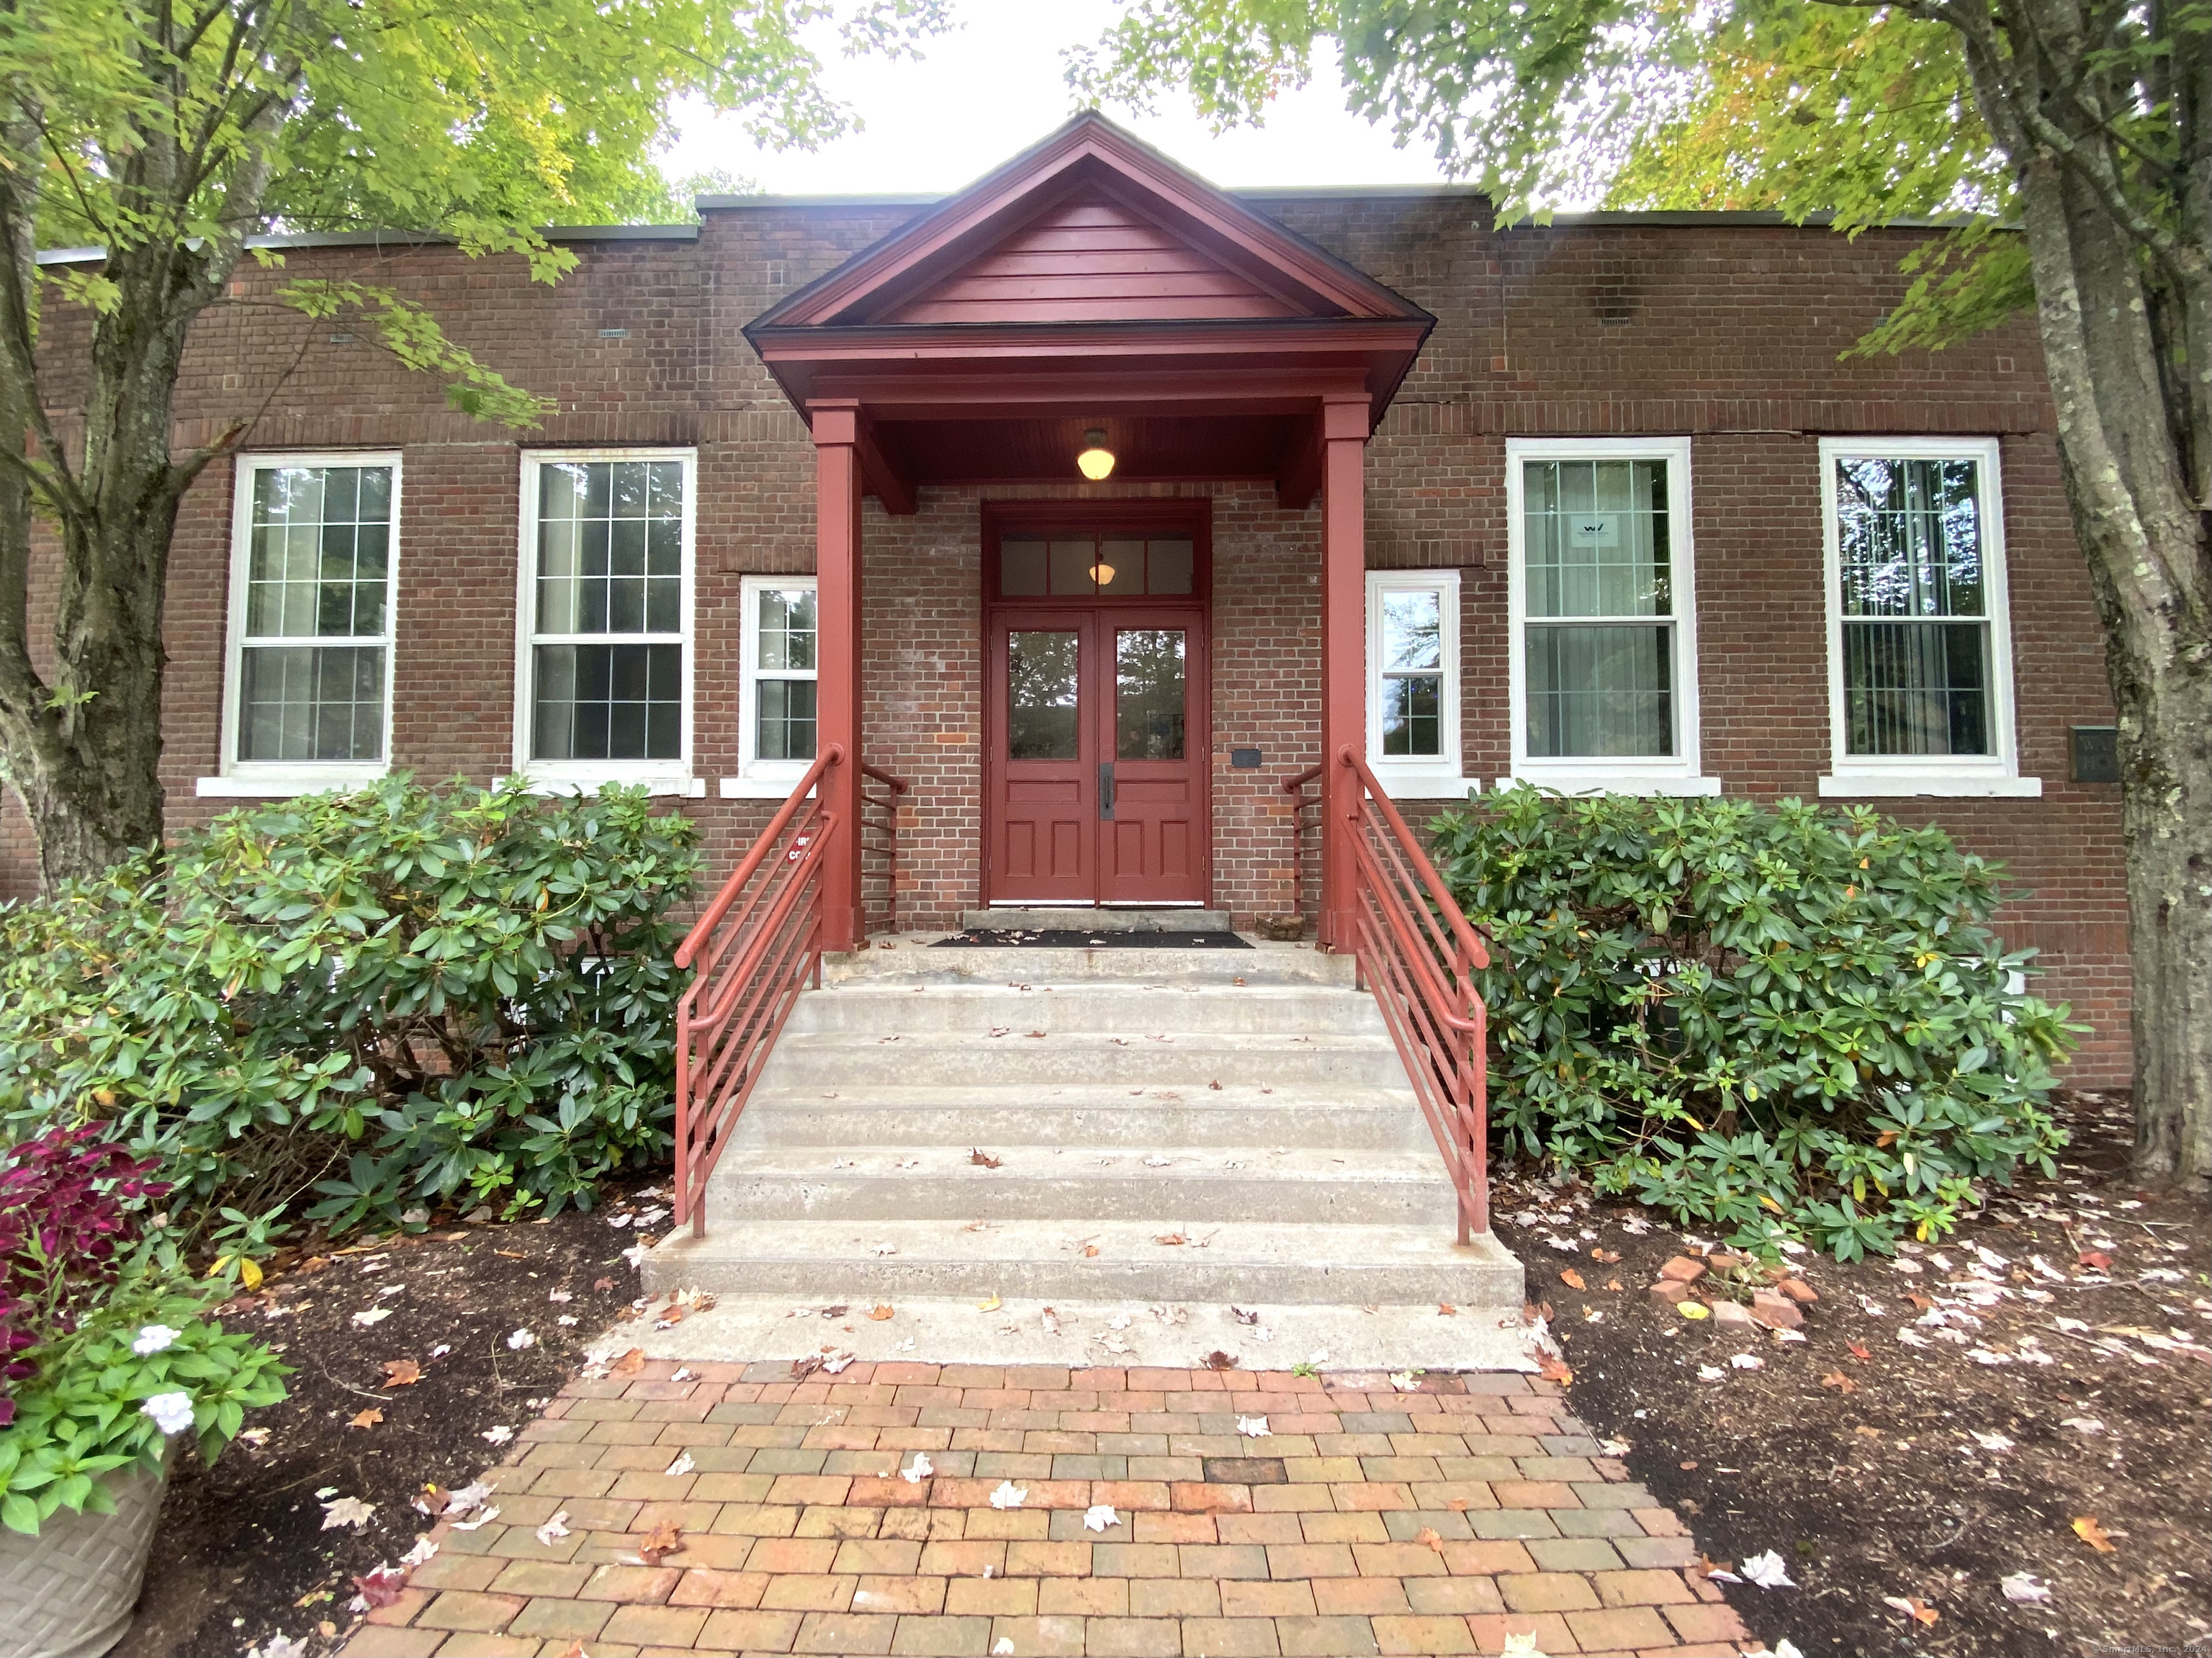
759 788
660 784
1412 785
1616 782
283 785
1956 786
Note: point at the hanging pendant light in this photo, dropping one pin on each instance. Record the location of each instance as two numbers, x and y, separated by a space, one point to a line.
1097 460
1101 571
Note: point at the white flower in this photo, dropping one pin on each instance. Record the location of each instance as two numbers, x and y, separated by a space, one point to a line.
153 1339
172 1412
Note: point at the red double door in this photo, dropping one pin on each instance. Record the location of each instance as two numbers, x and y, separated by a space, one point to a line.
1095 782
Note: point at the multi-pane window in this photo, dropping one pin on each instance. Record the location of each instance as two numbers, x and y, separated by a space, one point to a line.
1604 661
312 580
1915 612
1599 608
776 702
608 538
1917 608
1412 672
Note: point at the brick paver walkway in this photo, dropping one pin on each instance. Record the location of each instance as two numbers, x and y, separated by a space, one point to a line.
1366 1521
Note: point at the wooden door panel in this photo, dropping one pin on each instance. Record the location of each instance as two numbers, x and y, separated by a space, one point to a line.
1155 729
1040 800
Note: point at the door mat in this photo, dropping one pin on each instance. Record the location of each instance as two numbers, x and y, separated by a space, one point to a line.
1072 939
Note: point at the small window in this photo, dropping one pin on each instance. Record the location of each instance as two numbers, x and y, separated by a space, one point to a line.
1919 656
314 563
1089 566
606 669
775 701
1604 658
1413 694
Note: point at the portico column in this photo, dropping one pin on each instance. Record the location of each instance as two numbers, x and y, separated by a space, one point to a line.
1343 654
837 657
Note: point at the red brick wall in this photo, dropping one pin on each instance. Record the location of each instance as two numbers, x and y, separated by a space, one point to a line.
1731 334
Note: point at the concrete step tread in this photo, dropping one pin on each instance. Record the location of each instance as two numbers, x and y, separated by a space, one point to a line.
914 1244
1287 1097
912 958
1017 1040
1292 1165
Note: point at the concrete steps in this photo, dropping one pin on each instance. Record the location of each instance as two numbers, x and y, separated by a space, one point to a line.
1246 1107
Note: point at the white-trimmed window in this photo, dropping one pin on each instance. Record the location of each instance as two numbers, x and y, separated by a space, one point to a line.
1919 639
605 618
314 570
777 669
1412 689
1603 609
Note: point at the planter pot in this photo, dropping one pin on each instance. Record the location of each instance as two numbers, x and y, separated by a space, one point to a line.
70 1592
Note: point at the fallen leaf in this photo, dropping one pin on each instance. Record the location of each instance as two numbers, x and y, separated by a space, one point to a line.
1253 1427
1427 1536
1858 1351
1171 1239
881 1311
1552 1368
1767 1571
1865 1432
1840 1382
554 1529
2096 1258
603 1285
1573 1279
1089 1249
1913 1607
1244 1316
921 1469
1694 1309
401 1373
2022 1587
665 1538
629 1363
990 1304
1099 1516
681 1465
2093 1535
347 1511
1009 1495
1609 1257
1218 1360
1457 1504
983 1159
803 1368
370 1316
381 1588
367 1419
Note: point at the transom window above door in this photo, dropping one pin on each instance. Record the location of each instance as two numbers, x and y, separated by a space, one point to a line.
1074 566
1604 664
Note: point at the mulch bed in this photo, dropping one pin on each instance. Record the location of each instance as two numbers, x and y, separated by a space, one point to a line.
1854 1453
242 1554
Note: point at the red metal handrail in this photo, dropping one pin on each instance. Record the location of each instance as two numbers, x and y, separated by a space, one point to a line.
1417 954
752 951
1305 827
879 849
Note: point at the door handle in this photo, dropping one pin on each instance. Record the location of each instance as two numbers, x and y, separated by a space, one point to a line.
1105 789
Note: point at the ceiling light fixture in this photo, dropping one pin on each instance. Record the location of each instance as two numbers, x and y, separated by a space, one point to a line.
1097 460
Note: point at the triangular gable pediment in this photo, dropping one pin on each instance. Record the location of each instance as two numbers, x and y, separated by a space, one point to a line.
1090 225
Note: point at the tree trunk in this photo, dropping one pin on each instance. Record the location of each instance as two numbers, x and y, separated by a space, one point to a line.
2150 557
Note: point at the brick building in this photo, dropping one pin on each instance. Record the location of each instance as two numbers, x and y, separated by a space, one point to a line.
1600 504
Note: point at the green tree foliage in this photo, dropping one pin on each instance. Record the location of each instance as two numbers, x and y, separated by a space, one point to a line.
1780 1022
2069 148
168 134
358 1006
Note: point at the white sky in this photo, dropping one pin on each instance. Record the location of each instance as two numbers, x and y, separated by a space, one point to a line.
992 88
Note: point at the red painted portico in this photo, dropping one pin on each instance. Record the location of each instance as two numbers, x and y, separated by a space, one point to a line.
1090 283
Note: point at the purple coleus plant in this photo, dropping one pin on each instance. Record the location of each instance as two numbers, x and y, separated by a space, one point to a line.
72 1207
